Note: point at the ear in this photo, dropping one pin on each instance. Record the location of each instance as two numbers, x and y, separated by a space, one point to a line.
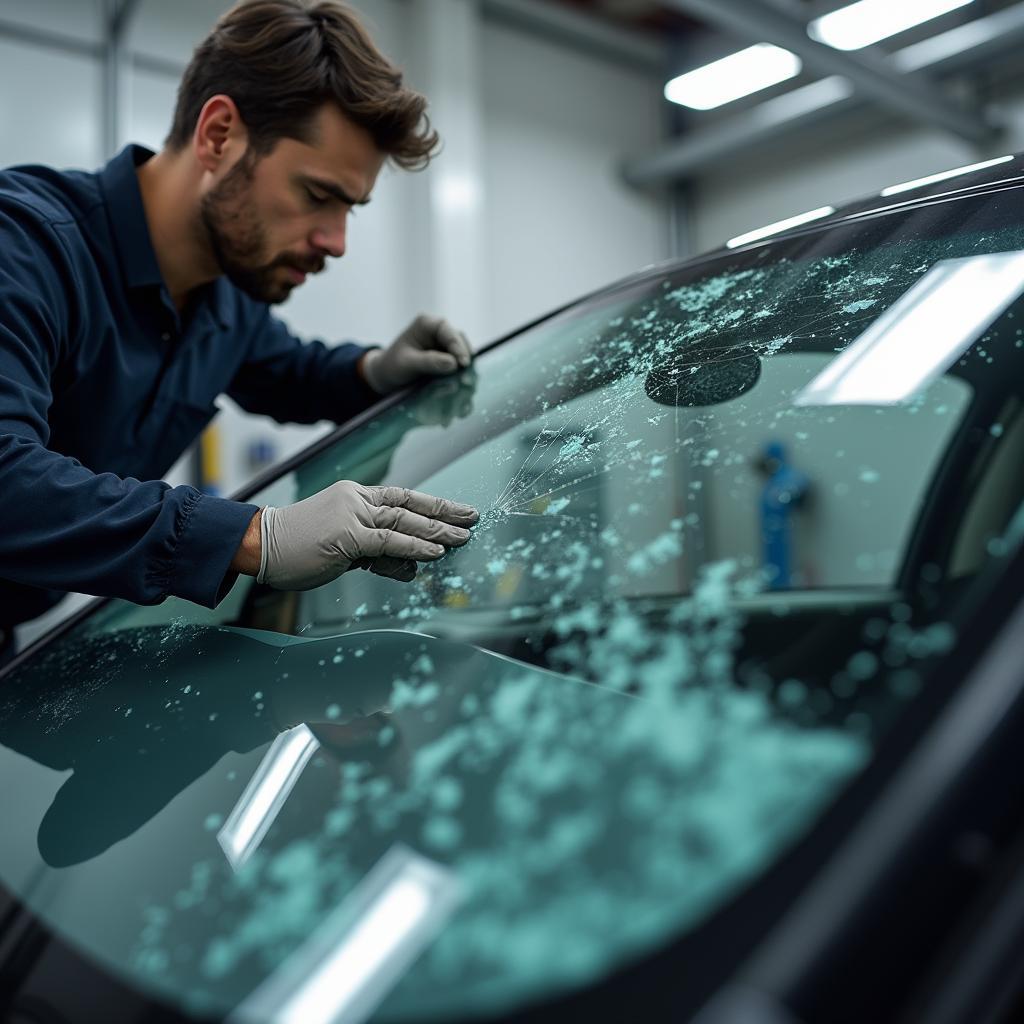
220 136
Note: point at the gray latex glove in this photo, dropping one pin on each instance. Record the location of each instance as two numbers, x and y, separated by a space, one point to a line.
428 347
383 529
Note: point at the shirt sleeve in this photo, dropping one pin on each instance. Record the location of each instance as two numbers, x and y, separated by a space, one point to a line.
62 526
299 382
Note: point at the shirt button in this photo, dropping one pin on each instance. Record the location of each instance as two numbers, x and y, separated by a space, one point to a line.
165 336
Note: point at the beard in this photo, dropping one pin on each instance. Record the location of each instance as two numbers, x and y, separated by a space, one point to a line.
237 239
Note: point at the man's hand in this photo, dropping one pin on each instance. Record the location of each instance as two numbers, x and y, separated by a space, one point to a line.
383 529
428 347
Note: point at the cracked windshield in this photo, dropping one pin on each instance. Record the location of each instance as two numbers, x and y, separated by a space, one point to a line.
700 591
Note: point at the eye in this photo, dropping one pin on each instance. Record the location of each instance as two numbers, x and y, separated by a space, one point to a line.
316 198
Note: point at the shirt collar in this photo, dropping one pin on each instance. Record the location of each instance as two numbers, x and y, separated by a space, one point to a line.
218 298
128 218
135 251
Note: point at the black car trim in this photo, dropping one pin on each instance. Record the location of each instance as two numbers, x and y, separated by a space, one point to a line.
864 215
898 829
979 188
979 978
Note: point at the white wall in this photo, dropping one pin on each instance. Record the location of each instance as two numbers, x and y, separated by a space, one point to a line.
49 108
79 19
555 219
558 220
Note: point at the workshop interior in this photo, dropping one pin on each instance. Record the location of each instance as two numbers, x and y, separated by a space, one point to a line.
711 711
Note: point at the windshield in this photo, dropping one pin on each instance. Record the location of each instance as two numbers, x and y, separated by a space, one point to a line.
697 598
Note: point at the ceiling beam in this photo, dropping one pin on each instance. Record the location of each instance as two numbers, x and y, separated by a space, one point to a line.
705 147
869 73
580 31
48 39
968 46
118 15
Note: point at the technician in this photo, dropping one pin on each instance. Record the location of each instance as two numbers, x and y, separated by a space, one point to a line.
131 298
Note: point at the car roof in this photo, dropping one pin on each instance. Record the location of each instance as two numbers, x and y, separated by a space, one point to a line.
999 175
995 175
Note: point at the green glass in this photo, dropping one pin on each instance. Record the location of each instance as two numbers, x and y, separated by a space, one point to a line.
603 715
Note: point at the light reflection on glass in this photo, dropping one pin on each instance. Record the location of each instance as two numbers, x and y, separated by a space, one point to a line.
343 972
780 226
922 334
264 796
932 179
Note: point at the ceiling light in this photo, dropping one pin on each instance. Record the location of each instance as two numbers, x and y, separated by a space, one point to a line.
739 74
868 21
342 972
931 179
923 334
266 793
780 226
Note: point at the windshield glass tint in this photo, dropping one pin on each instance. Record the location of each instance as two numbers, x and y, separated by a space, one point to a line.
691 608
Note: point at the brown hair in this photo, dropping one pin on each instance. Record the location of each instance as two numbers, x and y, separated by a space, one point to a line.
282 60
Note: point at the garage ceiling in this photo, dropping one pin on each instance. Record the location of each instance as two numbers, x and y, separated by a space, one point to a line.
905 75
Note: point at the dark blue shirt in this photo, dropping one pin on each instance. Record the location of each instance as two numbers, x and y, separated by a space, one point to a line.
103 385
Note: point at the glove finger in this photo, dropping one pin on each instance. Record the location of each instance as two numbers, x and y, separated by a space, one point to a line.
425 504
432 363
453 341
423 330
467 348
394 568
388 517
400 546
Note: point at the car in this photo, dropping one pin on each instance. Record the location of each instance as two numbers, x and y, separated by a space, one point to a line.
715 717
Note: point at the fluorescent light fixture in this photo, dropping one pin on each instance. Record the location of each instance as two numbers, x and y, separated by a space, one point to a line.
739 74
265 794
920 337
931 179
344 970
869 21
954 41
780 226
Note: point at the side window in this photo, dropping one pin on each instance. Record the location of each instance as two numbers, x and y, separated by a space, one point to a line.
995 495
610 495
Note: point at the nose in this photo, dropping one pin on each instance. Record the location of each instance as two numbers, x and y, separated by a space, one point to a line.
329 237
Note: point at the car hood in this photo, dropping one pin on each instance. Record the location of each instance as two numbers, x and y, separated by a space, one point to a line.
538 792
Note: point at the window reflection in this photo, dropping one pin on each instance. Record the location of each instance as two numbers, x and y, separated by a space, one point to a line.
921 335
343 972
250 819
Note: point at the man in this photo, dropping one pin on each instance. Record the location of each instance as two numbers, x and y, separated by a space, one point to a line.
131 298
